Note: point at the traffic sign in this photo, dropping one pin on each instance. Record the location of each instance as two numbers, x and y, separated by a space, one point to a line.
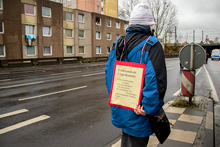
192 56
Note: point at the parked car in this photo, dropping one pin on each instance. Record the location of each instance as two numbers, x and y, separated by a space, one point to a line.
215 54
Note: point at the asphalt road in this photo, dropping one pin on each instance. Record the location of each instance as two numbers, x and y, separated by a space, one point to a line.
65 106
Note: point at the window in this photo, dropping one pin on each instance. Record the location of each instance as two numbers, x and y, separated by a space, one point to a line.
1 4
117 25
2 51
117 36
69 16
108 50
69 49
69 33
108 36
29 30
56 0
47 50
125 26
29 9
46 12
80 18
98 8
108 23
98 35
98 50
63 1
46 31
81 50
81 34
1 27
98 21
102 10
30 50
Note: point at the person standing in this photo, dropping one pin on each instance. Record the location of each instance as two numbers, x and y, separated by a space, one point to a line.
207 56
135 125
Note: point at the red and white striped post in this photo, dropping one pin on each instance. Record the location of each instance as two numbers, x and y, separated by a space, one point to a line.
188 83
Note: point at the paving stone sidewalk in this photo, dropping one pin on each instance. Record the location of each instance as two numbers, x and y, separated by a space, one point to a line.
192 127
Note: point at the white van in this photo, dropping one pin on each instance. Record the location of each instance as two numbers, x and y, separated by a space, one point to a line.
215 54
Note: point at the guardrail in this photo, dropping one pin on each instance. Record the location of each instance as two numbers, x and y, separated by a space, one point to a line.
61 60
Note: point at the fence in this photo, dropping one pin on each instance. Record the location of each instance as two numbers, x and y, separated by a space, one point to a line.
58 60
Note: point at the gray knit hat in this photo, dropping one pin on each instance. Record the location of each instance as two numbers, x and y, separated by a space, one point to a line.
141 14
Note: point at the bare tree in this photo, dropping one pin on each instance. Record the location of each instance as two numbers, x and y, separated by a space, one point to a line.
126 7
165 15
164 12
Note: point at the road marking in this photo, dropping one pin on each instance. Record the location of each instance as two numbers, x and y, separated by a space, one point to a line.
38 96
178 91
5 80
93 74
13 113
169 68
65 73
21 85
215 96
23 124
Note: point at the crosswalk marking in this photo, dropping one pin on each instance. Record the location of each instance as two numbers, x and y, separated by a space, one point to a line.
51 93
65 73
93 74
21 85
13 113
23 124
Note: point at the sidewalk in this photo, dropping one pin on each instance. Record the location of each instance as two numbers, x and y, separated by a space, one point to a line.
191 127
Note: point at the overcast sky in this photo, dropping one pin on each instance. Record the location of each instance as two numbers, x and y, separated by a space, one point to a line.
198 15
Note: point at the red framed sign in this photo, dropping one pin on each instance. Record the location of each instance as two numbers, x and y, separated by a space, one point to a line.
127 84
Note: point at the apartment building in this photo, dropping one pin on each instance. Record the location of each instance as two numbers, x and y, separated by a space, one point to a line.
106 7
105 31
42 29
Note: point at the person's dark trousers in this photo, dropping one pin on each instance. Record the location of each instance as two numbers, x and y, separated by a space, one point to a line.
131 141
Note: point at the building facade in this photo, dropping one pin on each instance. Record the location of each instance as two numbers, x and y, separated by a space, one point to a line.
42 29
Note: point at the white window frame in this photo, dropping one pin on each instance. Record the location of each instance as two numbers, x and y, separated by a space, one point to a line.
71 17
33 29
83 49
3 51
110 35
99 21
28 13
83 34
34 51
96 35
110 23
100 49
1 1
3 30
71 33
82 18
50 31
117 36
109 49
50 51
46 15
98 8
72 50
118 26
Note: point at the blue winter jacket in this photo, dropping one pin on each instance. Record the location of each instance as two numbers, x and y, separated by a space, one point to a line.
155 81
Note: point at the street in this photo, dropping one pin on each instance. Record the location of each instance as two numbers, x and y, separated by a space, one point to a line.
65 106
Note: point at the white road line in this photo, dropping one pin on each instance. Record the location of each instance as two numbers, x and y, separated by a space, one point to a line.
21 85
5 80
93 74
23 124
214 94
178 91
65 73
38 96
168 68
13 113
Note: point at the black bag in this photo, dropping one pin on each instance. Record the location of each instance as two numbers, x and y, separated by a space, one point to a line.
160 125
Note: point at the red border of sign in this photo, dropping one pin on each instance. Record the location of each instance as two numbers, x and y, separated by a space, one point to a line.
131 64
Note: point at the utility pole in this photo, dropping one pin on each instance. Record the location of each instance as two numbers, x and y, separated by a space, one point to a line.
193 36
202 37
175 36
206 38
